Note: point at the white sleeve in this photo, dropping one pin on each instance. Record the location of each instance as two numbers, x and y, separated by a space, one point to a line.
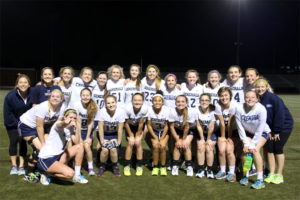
241 130
41 110
260 128
171 117
218 110
212 116
122 116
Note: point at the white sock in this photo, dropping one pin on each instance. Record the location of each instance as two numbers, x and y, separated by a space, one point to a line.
260 175
77 170
90 165
232 169
253 166
223 168
247 174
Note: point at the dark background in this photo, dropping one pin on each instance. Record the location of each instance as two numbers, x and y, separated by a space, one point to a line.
175 35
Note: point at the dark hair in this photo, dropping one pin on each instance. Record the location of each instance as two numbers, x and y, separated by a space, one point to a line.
22 76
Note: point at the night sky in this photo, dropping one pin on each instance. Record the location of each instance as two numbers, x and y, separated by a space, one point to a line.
175 35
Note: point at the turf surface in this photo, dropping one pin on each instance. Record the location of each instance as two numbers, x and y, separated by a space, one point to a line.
148 187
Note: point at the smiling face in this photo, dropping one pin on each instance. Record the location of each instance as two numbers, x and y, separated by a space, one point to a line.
261 88
85 96
67 75
71 117
204 101
251 76
181 102
23 84
101 80
115 74
56 98
234 74
225 98
157 102
137 101
214 79
251 98
192 78
47 76
87 76
151 74
134 72
110 104
171 82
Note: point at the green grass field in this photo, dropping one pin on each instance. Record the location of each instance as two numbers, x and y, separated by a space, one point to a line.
148 187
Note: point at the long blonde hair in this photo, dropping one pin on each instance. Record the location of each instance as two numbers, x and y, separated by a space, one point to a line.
157 78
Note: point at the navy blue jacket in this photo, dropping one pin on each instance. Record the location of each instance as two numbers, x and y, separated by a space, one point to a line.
40 93
279 117
14 107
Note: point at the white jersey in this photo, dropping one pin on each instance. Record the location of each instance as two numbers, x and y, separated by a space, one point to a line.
67 93
213 93
194 113
227 112
130 90
253 121
149 90
205 119
237 90
77 86
117 89
134 118
98 97
56 142
82 112
43 111
110 123
170 97
158 120
193 94
178 120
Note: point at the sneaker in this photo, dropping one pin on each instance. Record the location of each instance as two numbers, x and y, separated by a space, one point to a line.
163 171
13 170
127 171
277 179
269 178
175 169
189 171
169 168
210 174
258 184
252 172
37 174
230 177
91 172
44 180
244 181
80 179
220 175
21 171
139 171
200 173
116 171
31 178
155 171
101 171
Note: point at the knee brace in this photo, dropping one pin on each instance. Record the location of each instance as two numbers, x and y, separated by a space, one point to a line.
31 144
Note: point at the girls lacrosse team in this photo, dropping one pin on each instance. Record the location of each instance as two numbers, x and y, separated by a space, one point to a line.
217 122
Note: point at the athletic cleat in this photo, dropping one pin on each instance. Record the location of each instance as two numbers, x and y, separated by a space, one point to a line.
91 172
21 171
101 171
127 171
210 174
37 174
220 175
252 172
269 178
189 171
44 180
116 171
31 178
258 184
244 181
175 169
13 170
155 171
230 177
277 179
139 171
80 179
200 173
163 171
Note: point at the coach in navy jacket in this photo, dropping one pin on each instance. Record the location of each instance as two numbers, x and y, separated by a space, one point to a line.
281 123
17 102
